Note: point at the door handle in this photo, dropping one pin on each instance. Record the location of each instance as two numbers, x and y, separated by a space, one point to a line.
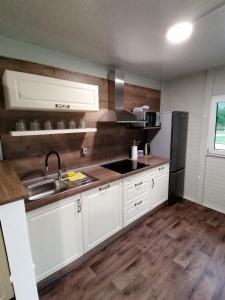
153 183
78 205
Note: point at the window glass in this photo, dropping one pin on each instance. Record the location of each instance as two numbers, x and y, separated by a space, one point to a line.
220 127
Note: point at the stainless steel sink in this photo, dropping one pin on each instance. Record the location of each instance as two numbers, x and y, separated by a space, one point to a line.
45 188
42 187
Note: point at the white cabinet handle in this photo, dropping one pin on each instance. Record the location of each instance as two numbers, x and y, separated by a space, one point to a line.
137 184
153 183
78 205
138 203
162 168
104 187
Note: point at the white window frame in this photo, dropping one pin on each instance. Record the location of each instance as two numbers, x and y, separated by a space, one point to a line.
212 126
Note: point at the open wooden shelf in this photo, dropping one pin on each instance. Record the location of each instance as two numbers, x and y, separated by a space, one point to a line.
53 131
152 128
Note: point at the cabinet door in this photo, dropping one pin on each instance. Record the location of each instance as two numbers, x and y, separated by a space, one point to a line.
34 92
6 289
102 213
159 192
55 233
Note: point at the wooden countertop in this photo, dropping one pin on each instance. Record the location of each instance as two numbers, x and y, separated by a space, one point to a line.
11 187
103 175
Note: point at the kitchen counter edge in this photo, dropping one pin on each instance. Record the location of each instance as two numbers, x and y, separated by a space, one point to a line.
103 175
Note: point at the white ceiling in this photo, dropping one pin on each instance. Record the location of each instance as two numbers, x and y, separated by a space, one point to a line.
129 34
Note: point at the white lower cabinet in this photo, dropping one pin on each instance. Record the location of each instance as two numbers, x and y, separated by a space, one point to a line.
102 213
136 199
55 233
159 188
144 191
60 232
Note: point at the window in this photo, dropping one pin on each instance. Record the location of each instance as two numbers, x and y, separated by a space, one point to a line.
217 126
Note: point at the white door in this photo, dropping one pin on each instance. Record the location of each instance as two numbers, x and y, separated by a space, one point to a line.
102 213
55 233
159 191
6 289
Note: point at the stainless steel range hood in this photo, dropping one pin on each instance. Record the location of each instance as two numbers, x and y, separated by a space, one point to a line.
116 98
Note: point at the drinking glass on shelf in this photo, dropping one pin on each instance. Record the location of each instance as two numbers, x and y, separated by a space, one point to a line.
61 124
35 125
48 125
72 124
81 124
21 125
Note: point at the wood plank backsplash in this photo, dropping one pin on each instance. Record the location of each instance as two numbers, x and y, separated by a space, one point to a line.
111 141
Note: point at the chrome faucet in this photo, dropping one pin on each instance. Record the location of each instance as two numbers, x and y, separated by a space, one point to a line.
59 163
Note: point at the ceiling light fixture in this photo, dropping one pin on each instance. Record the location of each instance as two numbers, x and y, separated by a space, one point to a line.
179 33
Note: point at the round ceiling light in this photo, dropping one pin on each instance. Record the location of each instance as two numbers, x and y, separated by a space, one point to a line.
180 32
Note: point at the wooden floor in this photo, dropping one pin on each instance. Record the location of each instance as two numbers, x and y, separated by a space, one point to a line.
177 253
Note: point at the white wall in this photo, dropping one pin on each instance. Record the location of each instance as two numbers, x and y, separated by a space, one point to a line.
214 184
16 49
187 94
205 175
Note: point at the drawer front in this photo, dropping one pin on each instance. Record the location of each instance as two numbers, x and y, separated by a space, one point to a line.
138 188
103 189
136 177
149 172
161 168
136 210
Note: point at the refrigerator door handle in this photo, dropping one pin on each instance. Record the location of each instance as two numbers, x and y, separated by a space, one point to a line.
177 172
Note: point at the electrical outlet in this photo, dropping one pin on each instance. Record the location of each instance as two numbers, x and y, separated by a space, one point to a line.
83 151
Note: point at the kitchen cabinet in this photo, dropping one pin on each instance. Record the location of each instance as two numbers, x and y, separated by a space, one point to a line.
159 188
63 231
136 198
55 233
144 191
6 289
25 91
102 213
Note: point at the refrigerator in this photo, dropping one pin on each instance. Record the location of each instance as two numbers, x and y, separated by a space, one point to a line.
171 142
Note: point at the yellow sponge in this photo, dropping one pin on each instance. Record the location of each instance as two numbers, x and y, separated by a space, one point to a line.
74 176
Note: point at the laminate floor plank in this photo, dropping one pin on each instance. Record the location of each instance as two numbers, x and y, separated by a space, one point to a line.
177 253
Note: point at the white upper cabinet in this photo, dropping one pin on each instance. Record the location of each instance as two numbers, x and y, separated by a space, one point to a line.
25 91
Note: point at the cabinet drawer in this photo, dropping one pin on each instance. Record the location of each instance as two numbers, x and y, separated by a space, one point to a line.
149 172
161 168
135 210
103 189
136 177
137 188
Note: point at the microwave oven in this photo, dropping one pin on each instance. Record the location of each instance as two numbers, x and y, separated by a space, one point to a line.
152 119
